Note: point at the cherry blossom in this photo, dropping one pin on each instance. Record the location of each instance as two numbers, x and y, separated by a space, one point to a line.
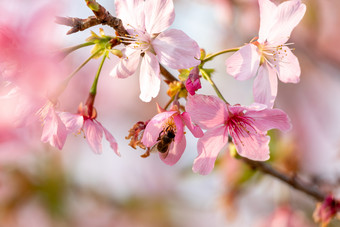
93 129
172 121
270 56
146 22
247 126
56 125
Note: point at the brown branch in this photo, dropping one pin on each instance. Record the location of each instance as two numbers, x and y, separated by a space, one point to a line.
168 76
293 181
77 24
106 18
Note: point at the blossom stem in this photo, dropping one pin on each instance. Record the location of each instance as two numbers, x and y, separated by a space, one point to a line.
62 86
293 181
211 56
68 50
169 102
93 90
208 77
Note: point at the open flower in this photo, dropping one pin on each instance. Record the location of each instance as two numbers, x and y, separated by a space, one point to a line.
247 126
270 56
169 124
93 130
146 22
56 125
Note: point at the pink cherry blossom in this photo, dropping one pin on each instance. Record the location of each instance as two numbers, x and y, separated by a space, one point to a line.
146 22
165 121
270 56
56 125
93 129
247 126
193 82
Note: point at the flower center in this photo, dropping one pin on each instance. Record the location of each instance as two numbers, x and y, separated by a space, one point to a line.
273 55
240 126
138 40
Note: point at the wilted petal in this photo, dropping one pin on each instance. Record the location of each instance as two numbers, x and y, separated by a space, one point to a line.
194 129
288 15
244 63
176 50
252 145
154 127
127 65
94 135
206 111
175 152
109 137
160 15
289 67
265 86
208 148
267 119
149 78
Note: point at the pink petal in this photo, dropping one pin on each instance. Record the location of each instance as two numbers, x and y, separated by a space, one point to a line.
154 127
194 129
176 50
175 152
208 148
149 78
267 119
267 18
94 135
244 63
110 139
289 67
131 12
127 65
179 128
252 145
206 111
73 122
265 86
54 130
160 14
288 15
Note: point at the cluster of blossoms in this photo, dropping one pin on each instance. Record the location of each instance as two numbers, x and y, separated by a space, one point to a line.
151 44
266 58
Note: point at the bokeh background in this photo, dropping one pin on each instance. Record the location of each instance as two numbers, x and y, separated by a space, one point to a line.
42 186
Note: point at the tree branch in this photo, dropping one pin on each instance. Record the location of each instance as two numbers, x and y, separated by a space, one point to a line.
77 24
293 181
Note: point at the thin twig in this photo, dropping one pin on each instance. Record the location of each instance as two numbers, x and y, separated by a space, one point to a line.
293 181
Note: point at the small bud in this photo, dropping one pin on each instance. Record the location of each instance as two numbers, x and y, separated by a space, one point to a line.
193 82
93 5
203 53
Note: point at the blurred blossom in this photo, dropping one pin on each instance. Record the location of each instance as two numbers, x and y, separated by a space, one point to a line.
284 216
326 210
